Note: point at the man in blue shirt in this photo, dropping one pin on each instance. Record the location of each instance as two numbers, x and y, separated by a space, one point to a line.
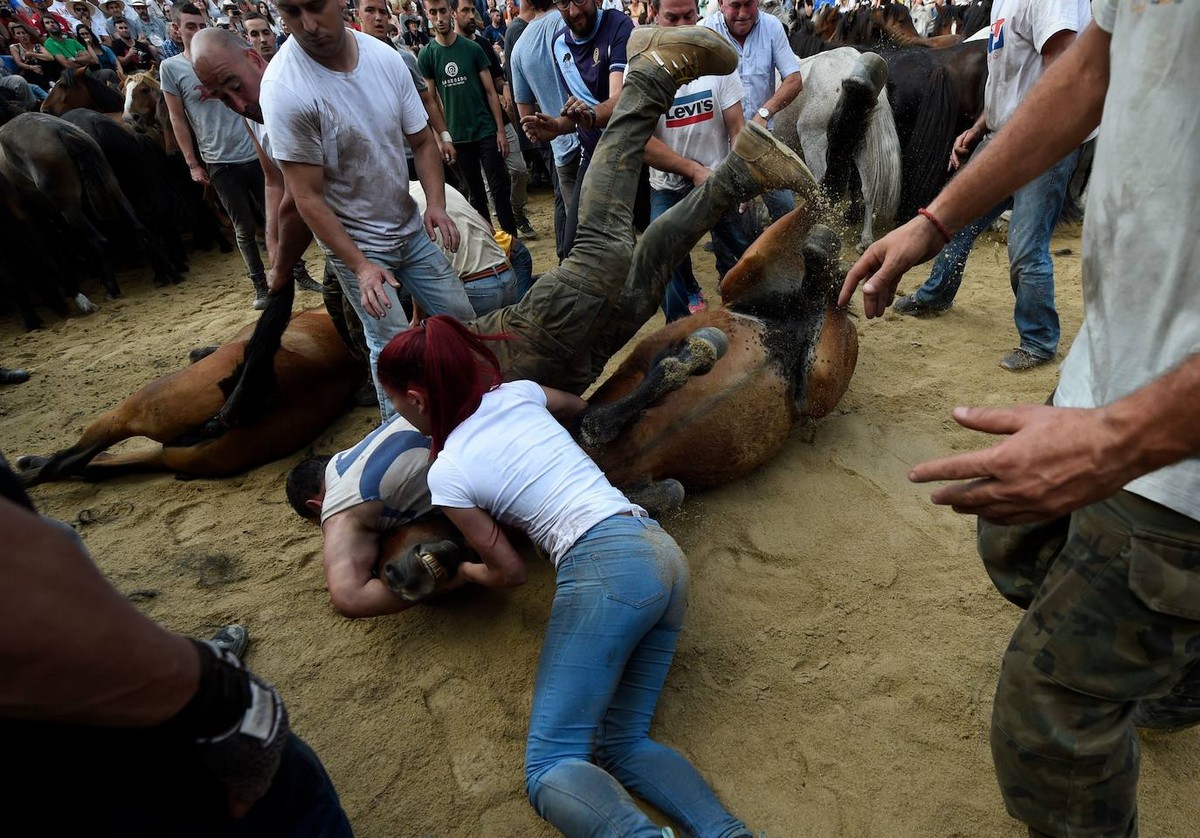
763 50
535 92
590 56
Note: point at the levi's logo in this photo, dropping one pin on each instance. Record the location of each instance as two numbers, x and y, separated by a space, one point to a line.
690 109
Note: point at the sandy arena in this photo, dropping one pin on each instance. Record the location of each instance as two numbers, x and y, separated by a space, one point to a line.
836 671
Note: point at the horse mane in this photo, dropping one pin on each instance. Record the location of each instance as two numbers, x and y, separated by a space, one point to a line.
104 97
145 77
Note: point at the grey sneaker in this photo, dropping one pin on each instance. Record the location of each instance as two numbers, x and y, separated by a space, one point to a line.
1020 360
913 307
233 638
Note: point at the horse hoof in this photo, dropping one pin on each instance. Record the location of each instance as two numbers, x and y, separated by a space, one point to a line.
31 461
659 497
85 306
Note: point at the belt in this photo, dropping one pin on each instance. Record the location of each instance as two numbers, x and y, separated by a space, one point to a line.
495 270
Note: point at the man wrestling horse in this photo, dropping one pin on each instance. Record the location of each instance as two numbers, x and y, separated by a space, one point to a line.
569 324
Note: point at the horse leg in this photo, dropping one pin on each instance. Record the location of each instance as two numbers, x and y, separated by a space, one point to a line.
105 431
695 355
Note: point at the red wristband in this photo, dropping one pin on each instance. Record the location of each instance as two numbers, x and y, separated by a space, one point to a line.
937 225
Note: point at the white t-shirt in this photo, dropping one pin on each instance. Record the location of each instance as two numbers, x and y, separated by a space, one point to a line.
511 458
478 249
693 126
352 124
1019 31
391 465
1141 255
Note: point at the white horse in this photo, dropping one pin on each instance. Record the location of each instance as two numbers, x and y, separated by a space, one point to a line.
831 109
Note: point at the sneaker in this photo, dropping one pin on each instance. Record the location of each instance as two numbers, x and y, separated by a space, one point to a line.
233 638
913 307
525 229
696 303
260 302
8 376
686 52
1020 360
304 280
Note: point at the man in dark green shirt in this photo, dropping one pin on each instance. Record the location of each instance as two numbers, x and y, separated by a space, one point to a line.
458 69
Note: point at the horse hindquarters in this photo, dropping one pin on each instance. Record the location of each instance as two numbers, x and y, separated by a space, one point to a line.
717 427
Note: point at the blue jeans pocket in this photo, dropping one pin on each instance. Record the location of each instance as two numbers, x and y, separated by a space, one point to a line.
628 581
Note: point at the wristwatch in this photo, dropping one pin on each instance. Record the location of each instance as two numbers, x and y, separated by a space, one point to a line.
764 113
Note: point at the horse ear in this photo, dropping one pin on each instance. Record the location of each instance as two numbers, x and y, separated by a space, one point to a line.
79 71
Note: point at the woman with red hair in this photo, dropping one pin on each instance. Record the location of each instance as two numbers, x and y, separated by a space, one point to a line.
501 454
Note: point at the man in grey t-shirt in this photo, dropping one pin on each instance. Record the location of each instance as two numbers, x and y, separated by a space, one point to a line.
227 157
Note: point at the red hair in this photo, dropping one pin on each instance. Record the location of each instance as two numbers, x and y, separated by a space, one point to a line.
450 362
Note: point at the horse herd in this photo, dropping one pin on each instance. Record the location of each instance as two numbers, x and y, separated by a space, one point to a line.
864 123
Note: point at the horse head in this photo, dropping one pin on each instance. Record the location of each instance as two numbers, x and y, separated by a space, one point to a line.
67 94
770 273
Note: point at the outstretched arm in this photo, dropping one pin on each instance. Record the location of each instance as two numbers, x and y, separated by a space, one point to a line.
1056 460
351 554
1059 113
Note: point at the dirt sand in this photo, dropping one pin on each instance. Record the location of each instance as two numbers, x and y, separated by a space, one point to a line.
836 672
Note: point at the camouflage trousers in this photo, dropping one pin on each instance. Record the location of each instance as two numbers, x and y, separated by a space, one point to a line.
578 314
1110 641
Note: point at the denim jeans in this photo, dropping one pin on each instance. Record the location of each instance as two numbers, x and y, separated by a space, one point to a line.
424 272
618 607
565 211
522 263
1035 209
242 190
730 238
492 292
779 203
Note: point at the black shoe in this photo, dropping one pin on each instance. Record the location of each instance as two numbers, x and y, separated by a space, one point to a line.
525 229
304 280
8 376
1020 360
233 639
913 307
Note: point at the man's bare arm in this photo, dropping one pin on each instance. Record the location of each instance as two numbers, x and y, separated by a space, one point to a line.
351 555
183 137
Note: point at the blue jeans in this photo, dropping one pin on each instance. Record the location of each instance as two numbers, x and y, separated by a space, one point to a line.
779 203
1035 210
730 237
425 273
522 264
619 604
492 292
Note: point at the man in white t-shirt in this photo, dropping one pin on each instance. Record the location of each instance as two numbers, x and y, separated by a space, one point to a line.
336 103
1109 476
1026 37
695 135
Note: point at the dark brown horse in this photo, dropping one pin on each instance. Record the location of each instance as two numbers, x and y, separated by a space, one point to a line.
75 90
314 375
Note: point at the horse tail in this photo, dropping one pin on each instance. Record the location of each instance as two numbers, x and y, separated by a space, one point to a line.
929 147
102 195
253 382
847 129
880 168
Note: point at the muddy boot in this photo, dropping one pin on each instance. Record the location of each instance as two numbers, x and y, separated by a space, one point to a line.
771 164
260 291
304 281
686 52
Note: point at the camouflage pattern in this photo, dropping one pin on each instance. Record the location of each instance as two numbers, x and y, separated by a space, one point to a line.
1111 638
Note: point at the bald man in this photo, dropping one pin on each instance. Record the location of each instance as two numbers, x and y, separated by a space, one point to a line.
219 56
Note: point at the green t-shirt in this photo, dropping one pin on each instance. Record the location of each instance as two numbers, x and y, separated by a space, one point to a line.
455 70
66 47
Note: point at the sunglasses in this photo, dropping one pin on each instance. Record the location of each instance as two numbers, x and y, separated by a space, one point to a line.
563 5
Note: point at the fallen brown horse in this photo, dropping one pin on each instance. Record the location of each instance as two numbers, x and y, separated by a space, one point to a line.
314 376
731 381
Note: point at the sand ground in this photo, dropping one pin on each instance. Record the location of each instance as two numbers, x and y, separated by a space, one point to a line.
836 672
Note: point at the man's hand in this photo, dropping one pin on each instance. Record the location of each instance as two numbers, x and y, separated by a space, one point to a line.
579 112
199 174
502 143
884 263
539 127
437 220
963 144
700 174
1056 460
371 278
278 280
757 118
448 151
